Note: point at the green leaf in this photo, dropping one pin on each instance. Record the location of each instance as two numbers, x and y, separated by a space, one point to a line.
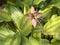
36 2
16 15
52 27
43 41
13 40
19 3
55 42
57 3
34 41
28 2
26 26
58 11
21 22
2 41
36 32
16 39
25 41
7 41
26 9
6 30
46 14
4 15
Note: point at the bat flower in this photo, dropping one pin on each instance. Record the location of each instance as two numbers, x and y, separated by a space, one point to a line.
33 16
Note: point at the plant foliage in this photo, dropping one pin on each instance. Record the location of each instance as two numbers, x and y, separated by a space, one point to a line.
30 22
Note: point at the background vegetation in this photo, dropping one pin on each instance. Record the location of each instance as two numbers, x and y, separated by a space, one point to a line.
29 22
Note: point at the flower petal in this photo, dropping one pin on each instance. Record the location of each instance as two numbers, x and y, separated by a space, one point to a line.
32 9
34 22
38 15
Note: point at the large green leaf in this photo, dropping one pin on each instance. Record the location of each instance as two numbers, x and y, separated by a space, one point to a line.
34 41
11 40
6 30
36 32
15 40
38 41
43 41
4 15
7 41
21 22
16 15
52 27
25 41
26 26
